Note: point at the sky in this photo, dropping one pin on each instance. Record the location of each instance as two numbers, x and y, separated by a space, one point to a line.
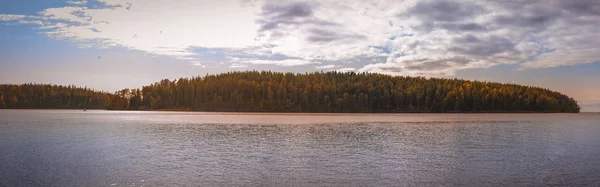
112 44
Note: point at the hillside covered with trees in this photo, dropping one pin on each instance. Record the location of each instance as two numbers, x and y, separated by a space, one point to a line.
255 91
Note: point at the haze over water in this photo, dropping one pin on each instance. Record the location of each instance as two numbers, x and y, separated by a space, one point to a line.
106 148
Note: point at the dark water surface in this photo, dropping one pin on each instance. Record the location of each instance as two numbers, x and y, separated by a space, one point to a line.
101 148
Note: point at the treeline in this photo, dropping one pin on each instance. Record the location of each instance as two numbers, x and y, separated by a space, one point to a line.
337 92
45 96
287 92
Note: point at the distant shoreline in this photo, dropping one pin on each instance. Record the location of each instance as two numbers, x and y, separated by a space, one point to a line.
293 113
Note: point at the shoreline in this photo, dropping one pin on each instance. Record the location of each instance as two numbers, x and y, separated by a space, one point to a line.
244 118
297 113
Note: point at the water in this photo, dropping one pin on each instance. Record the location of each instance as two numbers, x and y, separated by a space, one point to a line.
103 148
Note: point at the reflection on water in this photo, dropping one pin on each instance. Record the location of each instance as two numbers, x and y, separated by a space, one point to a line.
71 148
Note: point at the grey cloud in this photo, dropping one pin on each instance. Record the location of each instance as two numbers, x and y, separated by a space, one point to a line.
583 7
322 39
392 69
288 13
83 15
300 15
288 10
437 64
526 15
483 31
448 11
536 20
273 24
473 46
270 25
451 26
461 27
474 33
539 15
573 7
425 65
522 20
447 15
324 36
469 38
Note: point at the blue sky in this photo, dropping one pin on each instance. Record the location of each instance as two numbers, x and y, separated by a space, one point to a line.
113 44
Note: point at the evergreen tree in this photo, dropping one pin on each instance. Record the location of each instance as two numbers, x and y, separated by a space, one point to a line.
267 91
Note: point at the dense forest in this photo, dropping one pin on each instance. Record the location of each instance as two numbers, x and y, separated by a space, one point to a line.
45 96
255 91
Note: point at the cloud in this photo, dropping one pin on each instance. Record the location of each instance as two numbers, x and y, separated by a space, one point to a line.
162 27
323 36
326 67
565 31
74 2
11 17
237 65
419 66
444 10
282 18
286 62
198 64
345 69
36 22
411 37
326 31
535 34
482 47
283 13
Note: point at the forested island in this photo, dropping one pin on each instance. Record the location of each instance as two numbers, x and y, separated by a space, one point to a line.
254 91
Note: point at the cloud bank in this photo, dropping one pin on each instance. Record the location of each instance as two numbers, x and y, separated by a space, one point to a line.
409 37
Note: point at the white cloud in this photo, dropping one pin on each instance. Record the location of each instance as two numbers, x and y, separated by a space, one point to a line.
36 22
199 65
330 66
162 27
54 26
75 2
346 69
236 65
286 62
417 37
11 17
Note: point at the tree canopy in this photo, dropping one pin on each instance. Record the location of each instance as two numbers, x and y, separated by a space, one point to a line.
46 96
254 91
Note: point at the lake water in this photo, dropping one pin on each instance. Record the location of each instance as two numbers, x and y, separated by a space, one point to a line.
108 148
